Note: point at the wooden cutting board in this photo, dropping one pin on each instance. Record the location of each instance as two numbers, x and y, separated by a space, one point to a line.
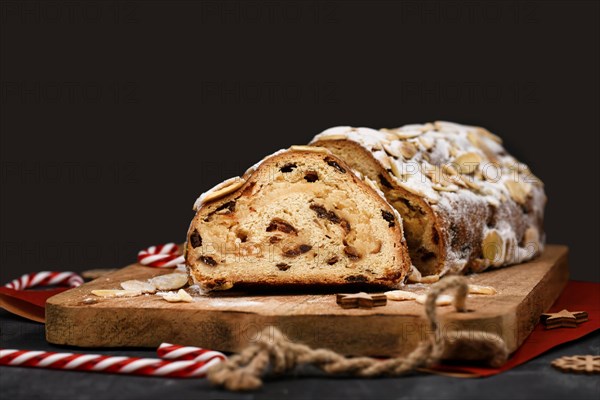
227 321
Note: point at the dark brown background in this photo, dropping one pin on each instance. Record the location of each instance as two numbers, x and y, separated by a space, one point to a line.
115 116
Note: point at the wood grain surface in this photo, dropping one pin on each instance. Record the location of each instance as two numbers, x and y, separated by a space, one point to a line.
227 321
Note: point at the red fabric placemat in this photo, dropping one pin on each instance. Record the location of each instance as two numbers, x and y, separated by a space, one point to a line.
577 296
29 304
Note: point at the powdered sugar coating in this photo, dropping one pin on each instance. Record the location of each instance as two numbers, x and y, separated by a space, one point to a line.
461 171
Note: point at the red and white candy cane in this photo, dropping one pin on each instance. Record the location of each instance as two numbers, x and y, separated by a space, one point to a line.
108 364
161 256
170 351
45 278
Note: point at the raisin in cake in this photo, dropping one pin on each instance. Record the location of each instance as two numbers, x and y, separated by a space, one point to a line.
465 202
299 217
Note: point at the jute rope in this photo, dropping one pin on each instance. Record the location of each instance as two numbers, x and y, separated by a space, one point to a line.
273 352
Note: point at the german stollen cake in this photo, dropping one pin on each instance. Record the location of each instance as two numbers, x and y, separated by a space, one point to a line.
299 217
465 202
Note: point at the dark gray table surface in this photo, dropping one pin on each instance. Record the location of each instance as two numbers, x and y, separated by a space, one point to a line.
533 380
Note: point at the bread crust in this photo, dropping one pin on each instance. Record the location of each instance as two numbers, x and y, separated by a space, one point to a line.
246 187
475 224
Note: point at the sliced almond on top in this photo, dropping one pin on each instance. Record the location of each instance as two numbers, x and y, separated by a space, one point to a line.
468 182
491 172
448 176
408 134
468 162
180 296
531 239
313 149
519 191
450 170
532 235
112 293
139 286
445 126
172 281
400 180
433 172
395 170
488 134
336 136
475 135
473 138
453 150
407 187
480 143
480 289
452 176
427 127
403 134
408 150
400 295
217 194
427 142
493 247
450 188
385 160
394 149
222 189
444 176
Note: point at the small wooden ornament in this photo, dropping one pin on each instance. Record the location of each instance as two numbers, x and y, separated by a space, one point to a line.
361 300
563 319
587 364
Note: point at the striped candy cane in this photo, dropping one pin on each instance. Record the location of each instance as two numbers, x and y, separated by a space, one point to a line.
170 351
107 364
161 256
45 278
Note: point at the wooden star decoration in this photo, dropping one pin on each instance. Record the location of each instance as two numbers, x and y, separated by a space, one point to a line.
564 319
587 364
361 300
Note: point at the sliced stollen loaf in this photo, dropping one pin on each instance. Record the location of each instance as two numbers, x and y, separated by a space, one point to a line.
299 217
465 202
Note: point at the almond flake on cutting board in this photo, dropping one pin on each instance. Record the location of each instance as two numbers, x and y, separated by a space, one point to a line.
140 286
480 289
172 281
442 300
416 277
180 296
111 293
401 295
